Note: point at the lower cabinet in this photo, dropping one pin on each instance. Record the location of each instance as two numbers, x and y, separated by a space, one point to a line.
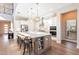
47 42
41 44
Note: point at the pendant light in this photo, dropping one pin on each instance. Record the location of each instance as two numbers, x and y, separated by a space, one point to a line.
31 12
37 18
42 22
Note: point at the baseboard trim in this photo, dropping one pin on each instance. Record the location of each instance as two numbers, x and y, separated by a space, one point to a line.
58 41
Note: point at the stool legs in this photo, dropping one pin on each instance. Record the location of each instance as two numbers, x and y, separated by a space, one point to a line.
24 49
27 44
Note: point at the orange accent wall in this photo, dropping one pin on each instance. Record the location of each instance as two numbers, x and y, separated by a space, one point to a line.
69 15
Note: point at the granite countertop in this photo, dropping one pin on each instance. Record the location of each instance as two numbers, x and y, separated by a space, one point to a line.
34 34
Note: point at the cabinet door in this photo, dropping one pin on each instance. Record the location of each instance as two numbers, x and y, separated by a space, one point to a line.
47 42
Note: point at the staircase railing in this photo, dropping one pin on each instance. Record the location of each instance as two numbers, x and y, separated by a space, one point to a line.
6 8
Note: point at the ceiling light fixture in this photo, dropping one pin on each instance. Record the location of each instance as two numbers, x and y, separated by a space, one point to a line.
37 18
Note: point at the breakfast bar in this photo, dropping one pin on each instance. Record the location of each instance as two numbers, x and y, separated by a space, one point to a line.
39 42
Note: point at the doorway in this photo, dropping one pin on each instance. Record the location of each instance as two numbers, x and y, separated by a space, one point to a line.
4 26
69 26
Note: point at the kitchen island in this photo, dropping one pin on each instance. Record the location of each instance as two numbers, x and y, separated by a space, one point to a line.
41 41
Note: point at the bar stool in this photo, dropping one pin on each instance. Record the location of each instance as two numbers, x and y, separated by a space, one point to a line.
27 45
20 40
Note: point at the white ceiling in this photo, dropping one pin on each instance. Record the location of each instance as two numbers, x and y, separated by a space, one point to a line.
24 9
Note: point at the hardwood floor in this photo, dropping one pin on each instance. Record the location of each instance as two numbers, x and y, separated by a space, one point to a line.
66 48
10 47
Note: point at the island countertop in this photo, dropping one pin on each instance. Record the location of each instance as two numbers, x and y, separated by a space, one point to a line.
34 34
